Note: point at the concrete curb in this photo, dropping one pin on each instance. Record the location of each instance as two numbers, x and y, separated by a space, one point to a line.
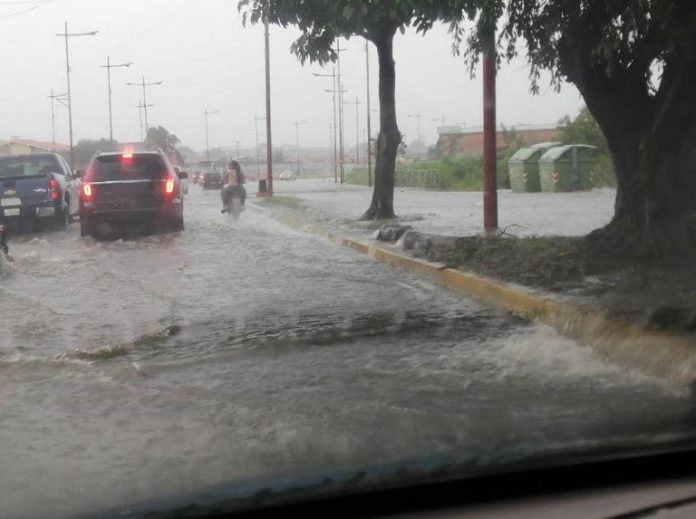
660 354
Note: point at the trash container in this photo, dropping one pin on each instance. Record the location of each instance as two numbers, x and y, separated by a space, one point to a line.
523 167
567 168
263 186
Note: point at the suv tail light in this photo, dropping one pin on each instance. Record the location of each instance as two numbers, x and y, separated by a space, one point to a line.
87 190
169 186
53 189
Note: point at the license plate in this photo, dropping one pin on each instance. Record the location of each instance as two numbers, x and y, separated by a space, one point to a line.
11 211
10 202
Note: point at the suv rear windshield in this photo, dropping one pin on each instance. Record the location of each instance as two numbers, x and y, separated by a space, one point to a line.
117 167
23 166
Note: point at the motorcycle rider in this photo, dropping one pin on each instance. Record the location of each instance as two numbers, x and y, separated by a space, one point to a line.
234 185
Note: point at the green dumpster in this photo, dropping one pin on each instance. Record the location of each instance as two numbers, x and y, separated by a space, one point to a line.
567 168
524 167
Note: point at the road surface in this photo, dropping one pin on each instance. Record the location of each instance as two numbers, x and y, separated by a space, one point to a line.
240 350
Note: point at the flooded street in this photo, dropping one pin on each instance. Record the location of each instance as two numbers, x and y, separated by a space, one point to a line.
241 349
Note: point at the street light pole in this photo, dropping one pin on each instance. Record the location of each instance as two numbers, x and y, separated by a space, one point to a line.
256 130
357 128
206 113
417 116
269 143
108 68
59 97
297 142
335 144
140 108
145 105
369 132
340 108
67 35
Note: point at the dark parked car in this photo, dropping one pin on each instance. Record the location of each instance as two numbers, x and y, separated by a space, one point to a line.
131 188
36 191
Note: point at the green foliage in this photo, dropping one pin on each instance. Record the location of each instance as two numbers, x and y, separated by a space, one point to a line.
159 138
322 21
462 174
583 130
85 149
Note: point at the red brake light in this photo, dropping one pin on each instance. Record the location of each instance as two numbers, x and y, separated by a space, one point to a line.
87 190
169 186
53 189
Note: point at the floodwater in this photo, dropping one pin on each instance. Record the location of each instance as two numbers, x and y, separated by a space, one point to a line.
239 350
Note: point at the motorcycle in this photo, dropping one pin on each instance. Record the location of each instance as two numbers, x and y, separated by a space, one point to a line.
233 202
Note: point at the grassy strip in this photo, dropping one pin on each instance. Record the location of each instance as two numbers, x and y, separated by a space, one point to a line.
466 173
284 201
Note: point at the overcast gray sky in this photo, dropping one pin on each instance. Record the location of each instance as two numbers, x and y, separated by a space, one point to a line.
206 58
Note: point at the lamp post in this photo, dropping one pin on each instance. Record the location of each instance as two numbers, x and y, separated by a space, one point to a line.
143 84
357 128
67 36
108 68
297 142
417 116
369 132
269 137
140 108
206 113
53 97
256 130
333 95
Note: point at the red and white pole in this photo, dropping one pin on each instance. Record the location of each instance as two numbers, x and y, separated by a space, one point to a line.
490 187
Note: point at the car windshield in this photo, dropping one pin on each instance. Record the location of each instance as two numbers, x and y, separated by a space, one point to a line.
27 166
418 241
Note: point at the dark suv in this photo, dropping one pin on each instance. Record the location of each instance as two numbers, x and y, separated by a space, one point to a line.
131 188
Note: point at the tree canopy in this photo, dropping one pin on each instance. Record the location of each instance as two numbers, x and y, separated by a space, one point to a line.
321 22
634 62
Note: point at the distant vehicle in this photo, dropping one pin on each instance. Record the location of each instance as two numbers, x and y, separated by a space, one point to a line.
37 191
211 180
287 175
211 175
131 188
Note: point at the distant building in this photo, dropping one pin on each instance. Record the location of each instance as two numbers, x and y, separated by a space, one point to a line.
455 141
24 146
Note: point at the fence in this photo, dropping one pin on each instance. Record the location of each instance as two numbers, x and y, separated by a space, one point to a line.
427 178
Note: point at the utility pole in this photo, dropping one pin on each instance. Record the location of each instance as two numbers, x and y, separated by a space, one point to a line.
297 142
140 108
269 138
357 128
490 188
335 144
206 113
61 98
68 35
340 108
145 105
369 132
256 129
417 116
108 68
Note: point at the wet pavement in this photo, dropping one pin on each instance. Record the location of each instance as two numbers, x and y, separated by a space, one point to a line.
239 350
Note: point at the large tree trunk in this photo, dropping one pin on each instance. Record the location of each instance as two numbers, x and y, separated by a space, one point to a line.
382 205
651 137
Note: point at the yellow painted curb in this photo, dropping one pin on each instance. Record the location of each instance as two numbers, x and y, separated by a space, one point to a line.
669 357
